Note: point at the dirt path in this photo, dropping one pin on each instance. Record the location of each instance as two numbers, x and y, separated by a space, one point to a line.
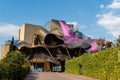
56 76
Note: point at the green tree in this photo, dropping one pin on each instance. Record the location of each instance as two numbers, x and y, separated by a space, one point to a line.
11 45
100 43
118 41
13 66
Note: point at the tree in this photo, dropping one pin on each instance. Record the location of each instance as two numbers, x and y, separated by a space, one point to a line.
108 44
12 66
118 41
11 45
100 43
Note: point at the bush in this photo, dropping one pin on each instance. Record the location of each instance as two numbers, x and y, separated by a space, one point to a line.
103 65
12 67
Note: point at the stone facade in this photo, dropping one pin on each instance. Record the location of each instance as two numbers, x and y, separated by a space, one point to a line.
27 31
5 49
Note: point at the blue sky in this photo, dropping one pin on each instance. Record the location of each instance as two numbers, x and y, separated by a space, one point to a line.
95 18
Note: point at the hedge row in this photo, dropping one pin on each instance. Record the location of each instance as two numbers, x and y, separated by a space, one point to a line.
12 67
104 65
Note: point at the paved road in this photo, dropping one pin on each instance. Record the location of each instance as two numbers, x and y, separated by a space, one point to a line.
56 76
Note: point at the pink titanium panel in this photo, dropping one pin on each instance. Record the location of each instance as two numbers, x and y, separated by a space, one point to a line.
68 33
66 30
70 37
94 46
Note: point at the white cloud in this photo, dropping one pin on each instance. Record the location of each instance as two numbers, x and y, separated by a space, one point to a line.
110 19
98 15
111 22
82 26
102 6
8 29
115 4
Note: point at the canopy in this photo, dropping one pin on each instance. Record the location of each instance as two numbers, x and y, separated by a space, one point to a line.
61 29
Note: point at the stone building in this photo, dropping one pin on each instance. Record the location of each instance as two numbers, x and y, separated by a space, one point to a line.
27 32
5 49
48 49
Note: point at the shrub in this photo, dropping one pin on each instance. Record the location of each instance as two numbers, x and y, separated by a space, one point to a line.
103 65
12 67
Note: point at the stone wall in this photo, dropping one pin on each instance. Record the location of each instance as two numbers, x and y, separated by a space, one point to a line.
27 31
5 49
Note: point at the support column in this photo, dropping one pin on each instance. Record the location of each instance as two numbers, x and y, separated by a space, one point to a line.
47 67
